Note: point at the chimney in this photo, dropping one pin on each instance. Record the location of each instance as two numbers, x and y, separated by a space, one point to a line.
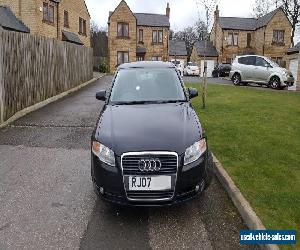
168 10
217 13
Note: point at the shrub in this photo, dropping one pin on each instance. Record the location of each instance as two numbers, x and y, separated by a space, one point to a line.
102 67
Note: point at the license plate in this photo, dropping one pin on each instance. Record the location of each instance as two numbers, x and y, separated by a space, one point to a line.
149 183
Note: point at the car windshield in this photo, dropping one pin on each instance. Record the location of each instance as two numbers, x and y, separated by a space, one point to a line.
192 64
141 85
273 64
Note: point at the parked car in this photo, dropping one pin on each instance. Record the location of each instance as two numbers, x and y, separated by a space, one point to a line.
179 65
261 70
221 70
148 147
191 69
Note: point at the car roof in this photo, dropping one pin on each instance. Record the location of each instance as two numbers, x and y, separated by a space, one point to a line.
147 64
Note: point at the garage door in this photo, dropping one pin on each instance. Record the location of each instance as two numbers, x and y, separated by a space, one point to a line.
294 69
210 67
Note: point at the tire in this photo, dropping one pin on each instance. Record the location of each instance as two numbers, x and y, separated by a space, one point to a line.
274 82
236 79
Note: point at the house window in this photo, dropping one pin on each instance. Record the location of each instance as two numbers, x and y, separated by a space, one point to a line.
141 35
66 19
123 57
233 39
154 36
160 36
156 58
48 13
157 36
82 26
123 30
248 40
278 36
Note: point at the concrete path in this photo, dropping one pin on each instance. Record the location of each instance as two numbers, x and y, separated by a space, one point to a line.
47 200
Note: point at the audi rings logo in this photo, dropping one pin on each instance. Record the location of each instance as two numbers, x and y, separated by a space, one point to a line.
149 165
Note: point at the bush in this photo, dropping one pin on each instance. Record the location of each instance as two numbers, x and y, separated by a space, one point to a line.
102 67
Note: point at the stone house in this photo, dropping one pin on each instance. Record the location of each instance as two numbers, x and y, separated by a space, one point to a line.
178 51
207 51
67 20
269 35
137 36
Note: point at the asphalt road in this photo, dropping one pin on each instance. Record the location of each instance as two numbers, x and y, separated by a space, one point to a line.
47 200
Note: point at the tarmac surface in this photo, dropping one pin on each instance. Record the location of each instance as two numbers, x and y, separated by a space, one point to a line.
47 199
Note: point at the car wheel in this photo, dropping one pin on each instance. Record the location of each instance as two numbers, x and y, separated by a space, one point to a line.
274 82
236 79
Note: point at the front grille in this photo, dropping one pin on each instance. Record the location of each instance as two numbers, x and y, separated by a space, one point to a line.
150 195
130 164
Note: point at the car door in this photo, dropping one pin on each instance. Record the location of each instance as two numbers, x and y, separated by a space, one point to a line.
262 70
248 68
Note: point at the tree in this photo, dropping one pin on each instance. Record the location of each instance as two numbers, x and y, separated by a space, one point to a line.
261 8
99 40
209 7
292 9
192 34
188 35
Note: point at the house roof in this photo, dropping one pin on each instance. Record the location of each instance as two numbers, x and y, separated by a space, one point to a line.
240 23
294 49
71 37
10 22
146 19
177 48
153 20
210 51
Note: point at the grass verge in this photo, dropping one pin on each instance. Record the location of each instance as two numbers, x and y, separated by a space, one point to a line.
255 133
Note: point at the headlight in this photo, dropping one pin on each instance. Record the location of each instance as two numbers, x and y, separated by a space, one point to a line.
286 74
105 154
194 152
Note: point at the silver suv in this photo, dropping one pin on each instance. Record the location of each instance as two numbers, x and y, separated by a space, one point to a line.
261 70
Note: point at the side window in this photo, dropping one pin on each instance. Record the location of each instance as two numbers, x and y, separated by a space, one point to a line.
250 60
261 62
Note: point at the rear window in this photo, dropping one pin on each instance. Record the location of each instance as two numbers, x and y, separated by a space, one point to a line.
192 64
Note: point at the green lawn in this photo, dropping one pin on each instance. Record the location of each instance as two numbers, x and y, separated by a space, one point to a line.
255 133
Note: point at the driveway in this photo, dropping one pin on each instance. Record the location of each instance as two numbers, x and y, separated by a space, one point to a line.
47 200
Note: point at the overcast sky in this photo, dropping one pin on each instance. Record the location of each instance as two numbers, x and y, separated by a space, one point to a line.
183 12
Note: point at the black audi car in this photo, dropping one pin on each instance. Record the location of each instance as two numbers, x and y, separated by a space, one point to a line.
148 147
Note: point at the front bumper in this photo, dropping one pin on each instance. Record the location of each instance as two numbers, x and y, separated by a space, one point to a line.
289 81
109 184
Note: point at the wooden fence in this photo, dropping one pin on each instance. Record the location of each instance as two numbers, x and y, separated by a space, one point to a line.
34 68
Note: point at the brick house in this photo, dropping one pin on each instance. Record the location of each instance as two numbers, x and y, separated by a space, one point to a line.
137 36
269 35
66 20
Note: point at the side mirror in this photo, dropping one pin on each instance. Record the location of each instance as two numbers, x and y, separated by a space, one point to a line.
101 95
192 93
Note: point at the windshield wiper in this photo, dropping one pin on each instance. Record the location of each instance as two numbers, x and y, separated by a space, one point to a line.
171 101
133 102
147 102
